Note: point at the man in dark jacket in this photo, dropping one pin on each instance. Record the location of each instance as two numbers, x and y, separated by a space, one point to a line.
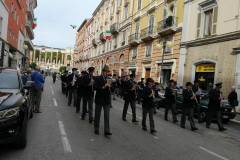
88 95
102 100
71 82
214 107
130 98
64 82
148 105
170 96
188 106
80 91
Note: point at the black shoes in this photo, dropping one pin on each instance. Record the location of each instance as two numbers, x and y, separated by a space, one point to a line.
194 129
222 129
175 121
144 128
96 132
107 134
183 127
153 131
134 121
124 119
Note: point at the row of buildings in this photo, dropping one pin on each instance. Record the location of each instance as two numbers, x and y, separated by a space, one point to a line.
52 59
185 40
17 22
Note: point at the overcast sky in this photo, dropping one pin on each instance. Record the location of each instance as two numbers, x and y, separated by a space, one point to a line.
54 18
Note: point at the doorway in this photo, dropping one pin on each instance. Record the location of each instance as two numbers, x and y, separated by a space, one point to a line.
147 73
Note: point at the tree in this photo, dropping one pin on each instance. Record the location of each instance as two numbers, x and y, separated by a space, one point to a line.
33 65
69 58
62 69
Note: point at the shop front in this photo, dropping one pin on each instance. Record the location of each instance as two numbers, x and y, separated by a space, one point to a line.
204 74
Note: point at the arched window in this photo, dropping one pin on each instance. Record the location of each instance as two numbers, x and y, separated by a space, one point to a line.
121 59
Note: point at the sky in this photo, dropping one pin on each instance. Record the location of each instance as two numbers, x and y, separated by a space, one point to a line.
54 18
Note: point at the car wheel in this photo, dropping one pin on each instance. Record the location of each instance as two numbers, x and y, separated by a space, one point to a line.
202 117
22 138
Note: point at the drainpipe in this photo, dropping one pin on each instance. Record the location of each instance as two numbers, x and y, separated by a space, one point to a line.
2 54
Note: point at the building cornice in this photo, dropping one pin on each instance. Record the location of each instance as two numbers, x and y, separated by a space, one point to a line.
213 39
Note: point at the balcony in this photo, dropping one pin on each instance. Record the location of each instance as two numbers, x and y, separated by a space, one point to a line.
102 38
148 33
167 26
134 39
29 30
94 43
114 28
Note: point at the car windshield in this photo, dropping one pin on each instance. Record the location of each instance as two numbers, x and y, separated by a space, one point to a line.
8 80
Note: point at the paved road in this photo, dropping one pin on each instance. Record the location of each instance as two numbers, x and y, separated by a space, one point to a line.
59 134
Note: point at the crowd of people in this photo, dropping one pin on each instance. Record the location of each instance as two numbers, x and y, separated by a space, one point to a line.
83 89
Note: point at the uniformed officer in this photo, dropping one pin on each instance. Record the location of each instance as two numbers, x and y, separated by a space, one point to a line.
129 97
214 107
80 91
102 100
171 101
71 80
148 105
88 95
188 106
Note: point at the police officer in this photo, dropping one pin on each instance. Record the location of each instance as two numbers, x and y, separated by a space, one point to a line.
171 101
71 81
188 106
80 91
102 101
129 97
148 105
88 95
214 108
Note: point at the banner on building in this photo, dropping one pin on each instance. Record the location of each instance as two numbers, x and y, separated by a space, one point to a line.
205 68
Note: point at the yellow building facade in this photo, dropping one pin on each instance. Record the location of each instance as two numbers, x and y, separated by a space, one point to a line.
155 39
145 38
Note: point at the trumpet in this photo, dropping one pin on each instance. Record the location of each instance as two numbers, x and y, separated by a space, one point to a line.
195 97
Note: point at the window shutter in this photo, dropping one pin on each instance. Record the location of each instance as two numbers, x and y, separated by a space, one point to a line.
214 24
199 25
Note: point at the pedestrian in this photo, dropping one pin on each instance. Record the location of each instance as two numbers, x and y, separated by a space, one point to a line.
64 82
54 77
80 92
188 106
71 81
148 105
39 81
130 94
140 87
114 86
88 81
214 107
233 98
102 101
170 95
197 91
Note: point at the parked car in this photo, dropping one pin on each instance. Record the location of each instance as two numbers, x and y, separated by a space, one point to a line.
15 109
228 112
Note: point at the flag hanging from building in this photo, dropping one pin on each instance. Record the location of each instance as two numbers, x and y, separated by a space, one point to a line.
34 24
108 35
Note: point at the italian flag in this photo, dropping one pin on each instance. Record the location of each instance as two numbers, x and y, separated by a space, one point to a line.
108 35
34 24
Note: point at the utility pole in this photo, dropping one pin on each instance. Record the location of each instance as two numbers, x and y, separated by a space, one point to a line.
163 54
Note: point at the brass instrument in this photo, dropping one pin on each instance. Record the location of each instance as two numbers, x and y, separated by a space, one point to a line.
195 97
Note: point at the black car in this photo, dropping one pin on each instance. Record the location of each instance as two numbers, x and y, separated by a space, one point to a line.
15 109
228 112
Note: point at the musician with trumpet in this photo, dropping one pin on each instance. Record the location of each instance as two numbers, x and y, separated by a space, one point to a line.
189 99
130 94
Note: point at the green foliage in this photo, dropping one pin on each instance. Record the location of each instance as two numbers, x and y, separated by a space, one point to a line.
69 58
62 69
33 65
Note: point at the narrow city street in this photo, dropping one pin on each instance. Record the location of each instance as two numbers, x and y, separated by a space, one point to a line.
58 133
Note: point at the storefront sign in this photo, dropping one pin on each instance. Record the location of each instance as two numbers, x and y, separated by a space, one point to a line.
205 68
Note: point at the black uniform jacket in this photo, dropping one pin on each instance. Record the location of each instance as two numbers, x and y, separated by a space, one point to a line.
147 96
102 96
187 101
214 100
